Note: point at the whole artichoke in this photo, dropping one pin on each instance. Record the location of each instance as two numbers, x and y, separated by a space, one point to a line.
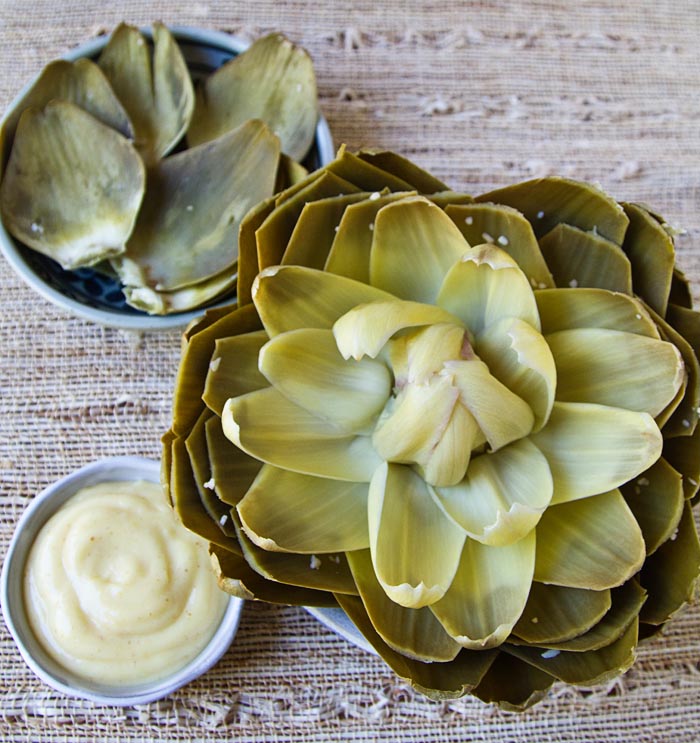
471 423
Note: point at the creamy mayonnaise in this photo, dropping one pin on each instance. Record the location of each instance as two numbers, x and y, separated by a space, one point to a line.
117 590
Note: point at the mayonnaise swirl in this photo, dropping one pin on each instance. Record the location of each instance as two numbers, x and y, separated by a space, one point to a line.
116 590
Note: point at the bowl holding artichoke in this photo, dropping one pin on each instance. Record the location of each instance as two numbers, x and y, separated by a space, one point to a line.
468 422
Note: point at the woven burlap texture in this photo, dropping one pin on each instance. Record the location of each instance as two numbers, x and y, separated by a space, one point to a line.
482 94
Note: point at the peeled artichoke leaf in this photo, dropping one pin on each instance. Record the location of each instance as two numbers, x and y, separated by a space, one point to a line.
567 309
627 600
232 470
81 82
513 684
197 449
307 368
248 249
237 578
328 572
187 230
448 680
415 244
287 512
274 234
503 495
415 546
488 593
187 503
519 357
652 255
292 297
614 368
592 543
485 286
656 499
594 448
593 667
402 168
153 85
507 228
73 186
555 614
196 357
179 300
583 259
272 80
351 248
546 202
233 369
266 425
364 174
319 218
415 633
501 414
670 575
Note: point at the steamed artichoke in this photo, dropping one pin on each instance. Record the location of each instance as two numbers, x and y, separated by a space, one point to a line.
471 423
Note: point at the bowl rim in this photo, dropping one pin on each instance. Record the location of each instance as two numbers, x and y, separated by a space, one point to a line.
142 321
39 510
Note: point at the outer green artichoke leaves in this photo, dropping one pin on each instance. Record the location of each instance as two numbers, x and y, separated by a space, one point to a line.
506 455
154 87
272 80
73 186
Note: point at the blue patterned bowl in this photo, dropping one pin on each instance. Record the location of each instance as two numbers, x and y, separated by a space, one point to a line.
92 295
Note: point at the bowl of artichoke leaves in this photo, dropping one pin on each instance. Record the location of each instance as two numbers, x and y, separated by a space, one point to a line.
128 165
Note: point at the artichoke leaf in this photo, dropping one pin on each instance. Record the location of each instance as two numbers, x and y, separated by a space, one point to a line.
680 290
81 82
567 309
248 249
154 87
513 684
592 543
289 173
266 425
555 614
488 593
399 166
187 229
614 368
683 454
652 255
237 578
507 228
584 259
656 499
364 174
503 495
547 202
307 368
448 680
594 448
73 186
415 547
232 470
287 512
233 369
415 243
415 633
670 575
292 297
273 80
485 286
519 357
593 667
352 245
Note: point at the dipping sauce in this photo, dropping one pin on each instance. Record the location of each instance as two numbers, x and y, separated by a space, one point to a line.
117 591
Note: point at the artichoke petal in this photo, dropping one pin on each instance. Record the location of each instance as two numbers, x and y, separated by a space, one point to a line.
488 593
288 512
593 543
364 174
399 166
513 684
415 547
621 443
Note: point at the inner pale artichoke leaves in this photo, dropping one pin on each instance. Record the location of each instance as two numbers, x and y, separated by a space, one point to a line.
451 402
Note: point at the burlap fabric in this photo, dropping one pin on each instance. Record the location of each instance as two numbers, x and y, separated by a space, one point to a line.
483 94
